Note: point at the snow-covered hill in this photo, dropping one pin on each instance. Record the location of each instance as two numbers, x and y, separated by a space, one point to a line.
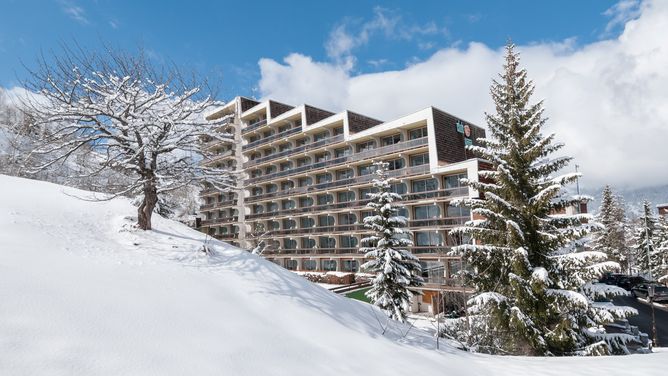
82 292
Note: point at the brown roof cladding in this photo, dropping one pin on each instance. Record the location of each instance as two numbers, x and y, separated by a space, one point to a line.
358 123
314 115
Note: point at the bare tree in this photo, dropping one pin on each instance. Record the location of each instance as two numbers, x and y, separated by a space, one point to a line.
144 121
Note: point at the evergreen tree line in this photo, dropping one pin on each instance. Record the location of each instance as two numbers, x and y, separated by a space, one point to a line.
640 246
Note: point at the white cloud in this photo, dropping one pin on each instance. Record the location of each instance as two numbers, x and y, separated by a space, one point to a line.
349 35
74 11
606 100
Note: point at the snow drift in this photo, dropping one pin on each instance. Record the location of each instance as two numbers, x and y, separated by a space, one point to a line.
83 292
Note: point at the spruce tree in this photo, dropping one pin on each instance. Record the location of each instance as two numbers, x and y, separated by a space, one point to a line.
611 237
398 272
645 252
662 250
531 274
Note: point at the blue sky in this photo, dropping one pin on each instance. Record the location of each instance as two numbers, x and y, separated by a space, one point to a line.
225 40
600 66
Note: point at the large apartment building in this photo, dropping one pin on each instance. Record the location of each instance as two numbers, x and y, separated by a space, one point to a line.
306 173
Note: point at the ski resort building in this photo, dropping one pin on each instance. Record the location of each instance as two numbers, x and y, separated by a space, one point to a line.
663 209
306 173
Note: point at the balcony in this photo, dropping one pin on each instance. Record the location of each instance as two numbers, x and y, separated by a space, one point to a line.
277 136
215 221
315 251
303 148
354 205
356 157
254 126
226 236
217 157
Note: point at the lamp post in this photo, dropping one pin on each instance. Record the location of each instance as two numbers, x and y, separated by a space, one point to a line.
650 296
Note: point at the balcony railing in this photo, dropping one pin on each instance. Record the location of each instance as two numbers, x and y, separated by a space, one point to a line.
226 236
359 204
277 136
213 205
350 251
303 148
356 157
214 221
216 157
359 227
253 126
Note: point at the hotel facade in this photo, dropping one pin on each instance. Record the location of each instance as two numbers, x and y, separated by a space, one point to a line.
306 172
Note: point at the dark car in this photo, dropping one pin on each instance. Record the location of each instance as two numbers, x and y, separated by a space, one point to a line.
627 283
660 291
611 278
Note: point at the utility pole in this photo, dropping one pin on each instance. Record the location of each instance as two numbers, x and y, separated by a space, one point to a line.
650 295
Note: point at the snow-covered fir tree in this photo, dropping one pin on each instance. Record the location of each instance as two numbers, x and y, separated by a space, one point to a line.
611 237
398 272
531 274
645 250
661 242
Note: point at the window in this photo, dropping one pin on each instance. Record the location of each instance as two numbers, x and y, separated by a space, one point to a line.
256 173
364 193
323 178
398 188
269 151
289 224
329 265
342 152
256 191
426 212
417 133
364 146
303 182
402 212
351 266
458 211
273 225
428 238
284 147
347 219
365 170
325 220
285 166
326 242
348 241
301 141
287 204
303 161
269 170
309 264
308 243
345 196
391 140
285 185
272 207
268 133
325 199
271 188
306 222
253 138
395 164
452 181
366 213
320 136
338 130
291 264
283 128
344 174
257 209
419 159
254 156
305 202
425 185
321 157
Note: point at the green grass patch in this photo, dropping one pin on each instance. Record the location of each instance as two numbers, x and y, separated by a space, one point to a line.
359 295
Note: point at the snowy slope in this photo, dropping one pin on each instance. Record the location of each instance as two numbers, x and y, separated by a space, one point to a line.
81 292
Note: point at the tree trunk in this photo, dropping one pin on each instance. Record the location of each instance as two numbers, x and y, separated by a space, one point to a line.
145 210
